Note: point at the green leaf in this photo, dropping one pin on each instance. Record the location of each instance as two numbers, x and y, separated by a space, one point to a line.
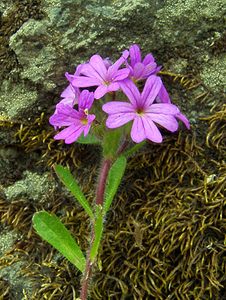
114 178
69 181
98 230
89 139
111 142
133 149
50 228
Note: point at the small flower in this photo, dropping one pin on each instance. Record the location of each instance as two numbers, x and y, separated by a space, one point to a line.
99 72
141 69
163 97
142 111
76 121
71 94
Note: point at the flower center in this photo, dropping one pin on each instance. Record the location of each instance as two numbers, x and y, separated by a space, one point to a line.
140 112
84 121
106 83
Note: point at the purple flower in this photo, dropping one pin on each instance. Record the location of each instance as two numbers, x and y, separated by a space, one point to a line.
142 111
76 121
99 72
163 97
70 94
141 69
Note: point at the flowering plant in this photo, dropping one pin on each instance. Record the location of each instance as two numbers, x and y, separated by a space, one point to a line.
104 104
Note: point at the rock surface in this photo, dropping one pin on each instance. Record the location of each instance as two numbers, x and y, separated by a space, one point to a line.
34 187
71 31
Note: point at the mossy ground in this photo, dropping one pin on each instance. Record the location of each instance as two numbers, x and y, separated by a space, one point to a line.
164 237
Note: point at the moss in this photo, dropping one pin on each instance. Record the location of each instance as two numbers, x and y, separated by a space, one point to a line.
164 236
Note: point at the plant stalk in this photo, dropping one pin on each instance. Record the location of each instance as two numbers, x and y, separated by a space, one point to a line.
105 168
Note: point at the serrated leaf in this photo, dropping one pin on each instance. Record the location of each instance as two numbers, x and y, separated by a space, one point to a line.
50 228
114 178
98 230
69 181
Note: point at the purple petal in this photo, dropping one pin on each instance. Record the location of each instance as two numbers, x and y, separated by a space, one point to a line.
85 100
69 77
68 92
98 65
131 91
114 86
151 90
166 121
86 128
163 95
64 116
100 91
70 134
121 74
107 62
149 58
71 95
89 71
138 70
114 68
67 101
163 108
117 120
82 81
137 132
115 107
151 130
144 128
182 118
135 54
150 69
130 68
78 70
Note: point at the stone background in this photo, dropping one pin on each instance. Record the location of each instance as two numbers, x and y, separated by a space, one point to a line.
56 35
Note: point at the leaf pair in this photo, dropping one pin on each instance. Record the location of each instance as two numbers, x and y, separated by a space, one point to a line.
50 228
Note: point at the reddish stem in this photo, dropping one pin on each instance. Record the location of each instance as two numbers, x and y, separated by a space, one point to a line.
102 182
99 201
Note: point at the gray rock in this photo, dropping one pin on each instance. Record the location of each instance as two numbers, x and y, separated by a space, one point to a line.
15 99
71 31
213 73
19 283
34 187
7 239
186 22
5 5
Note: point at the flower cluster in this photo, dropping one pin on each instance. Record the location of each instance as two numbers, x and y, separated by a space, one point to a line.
146 109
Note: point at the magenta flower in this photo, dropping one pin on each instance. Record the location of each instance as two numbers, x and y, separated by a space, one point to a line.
142 111
163 97
70 94
141 69
76 121
99 72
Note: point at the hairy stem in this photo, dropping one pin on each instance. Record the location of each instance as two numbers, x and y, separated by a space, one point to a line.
102 181
106 165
